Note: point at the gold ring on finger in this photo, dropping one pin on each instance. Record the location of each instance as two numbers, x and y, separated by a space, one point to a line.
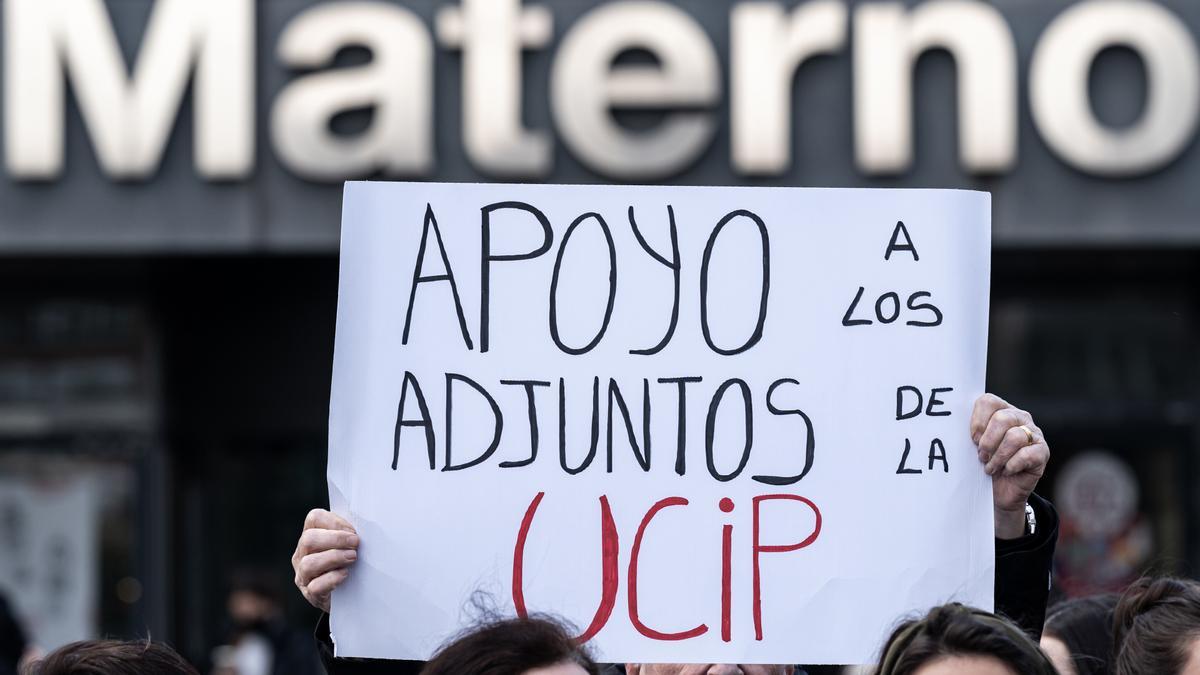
1028 434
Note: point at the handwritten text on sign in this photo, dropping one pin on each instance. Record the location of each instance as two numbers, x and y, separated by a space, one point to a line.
701 424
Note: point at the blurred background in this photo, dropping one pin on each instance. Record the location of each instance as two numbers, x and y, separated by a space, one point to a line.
169 228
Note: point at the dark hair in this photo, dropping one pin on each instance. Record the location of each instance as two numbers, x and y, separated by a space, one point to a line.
113 657
954 630
509 647
1084 625
1153 623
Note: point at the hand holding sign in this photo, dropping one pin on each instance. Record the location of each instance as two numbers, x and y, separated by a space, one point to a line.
327 547
669 415
1015 454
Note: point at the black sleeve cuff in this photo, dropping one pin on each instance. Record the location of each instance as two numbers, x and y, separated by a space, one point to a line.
1023 570
324 643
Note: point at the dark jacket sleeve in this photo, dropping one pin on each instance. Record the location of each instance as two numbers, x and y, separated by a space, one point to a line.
1023 570
12 639
336 666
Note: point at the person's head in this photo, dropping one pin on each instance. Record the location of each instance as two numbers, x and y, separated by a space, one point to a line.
705 669
957 640
529 646
1077 635
1156 628
113 657
255 596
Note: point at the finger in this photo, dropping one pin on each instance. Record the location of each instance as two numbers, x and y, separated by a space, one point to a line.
985 407
324 584
315 541
1010 434
1030 459
314 565
1014 439
1001 421
326 520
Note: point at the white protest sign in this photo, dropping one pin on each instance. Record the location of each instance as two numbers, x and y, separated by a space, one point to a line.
700 424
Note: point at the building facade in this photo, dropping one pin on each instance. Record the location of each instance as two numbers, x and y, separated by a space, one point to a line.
171 196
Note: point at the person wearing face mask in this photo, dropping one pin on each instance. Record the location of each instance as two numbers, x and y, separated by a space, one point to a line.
261 640
1010 446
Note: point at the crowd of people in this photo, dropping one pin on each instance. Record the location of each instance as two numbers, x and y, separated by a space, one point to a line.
1153 628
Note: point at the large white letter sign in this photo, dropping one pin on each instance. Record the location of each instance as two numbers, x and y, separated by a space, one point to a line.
1062 106
492 35
397 84
129 119
585 87
699 424
767 46
888 39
